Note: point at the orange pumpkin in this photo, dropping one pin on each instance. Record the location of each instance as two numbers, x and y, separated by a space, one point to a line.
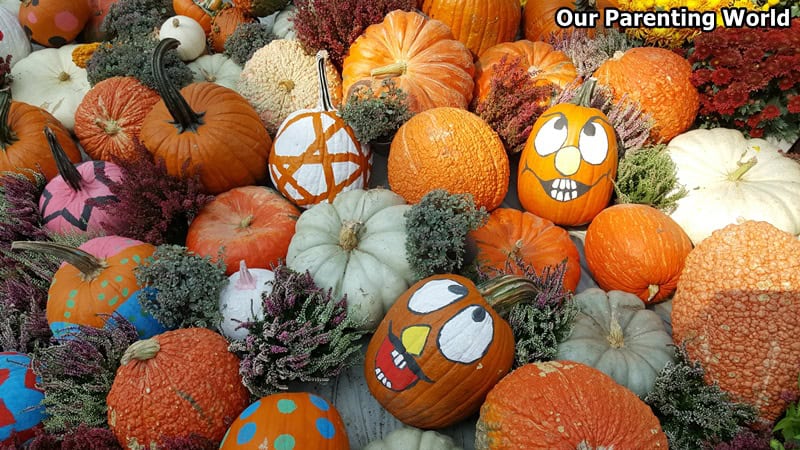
511 234
539 16
479 24
98 10
224 23
567 168
636 249
565 405
200 10
420 54
53 23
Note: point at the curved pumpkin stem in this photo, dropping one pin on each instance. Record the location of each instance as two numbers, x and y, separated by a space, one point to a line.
89 265
7 135
65 168
743 168
184 118
246 279
325 103
584 95
505 291
141 351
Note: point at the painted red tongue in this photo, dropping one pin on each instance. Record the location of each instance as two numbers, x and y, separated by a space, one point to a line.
400 378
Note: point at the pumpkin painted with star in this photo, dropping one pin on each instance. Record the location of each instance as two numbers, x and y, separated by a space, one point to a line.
21 411
288 420
569 163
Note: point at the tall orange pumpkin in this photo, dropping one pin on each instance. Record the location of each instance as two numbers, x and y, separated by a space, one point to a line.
479 24
539 16
567 168
200 10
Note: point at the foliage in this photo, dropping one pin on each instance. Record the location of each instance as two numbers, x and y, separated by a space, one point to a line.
372 116
746 440
246 39
436 231
588 53
134 18
305 335
81 438
5 69
648 176
788 427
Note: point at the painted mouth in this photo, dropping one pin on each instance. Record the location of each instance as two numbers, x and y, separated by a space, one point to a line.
394 367
564 189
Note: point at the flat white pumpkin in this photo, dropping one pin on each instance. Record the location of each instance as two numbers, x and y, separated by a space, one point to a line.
14 41
409 438
730 178
240 301
216 68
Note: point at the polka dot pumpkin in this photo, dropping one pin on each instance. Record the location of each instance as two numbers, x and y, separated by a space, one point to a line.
53 23
288 421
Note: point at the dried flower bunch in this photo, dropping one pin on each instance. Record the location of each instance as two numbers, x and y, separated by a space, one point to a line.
371 115
589 52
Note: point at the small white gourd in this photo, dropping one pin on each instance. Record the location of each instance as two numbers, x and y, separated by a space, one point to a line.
240 301
190 34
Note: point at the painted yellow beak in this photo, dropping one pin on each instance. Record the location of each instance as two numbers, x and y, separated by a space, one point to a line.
414 338
568 160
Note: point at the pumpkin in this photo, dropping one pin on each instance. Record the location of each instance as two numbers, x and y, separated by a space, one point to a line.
409 438
441 348
176 384
188 32
53 23
659 80
98 10
568 165
288 420
281 78
479 24
21 410
315 155
110 116
355 246
216 68
728 176
97 280
539 17
48 78
261 8
452 149
23 146
252 223
565 404
199 10
241 300
282 25
511 235
72 201
636 249
14 42
615 334
11 5
419 54
736 309
224 23
210 126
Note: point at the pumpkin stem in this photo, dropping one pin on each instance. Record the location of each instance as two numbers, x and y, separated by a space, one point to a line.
615 336
246 279
207 75
65 168
89 265
584 95
246 221
183 117
286 85
141 351
63 76
585 5
325 103
652 291
109 127
505 291
7 135
394 69
583 445
737 174
348 235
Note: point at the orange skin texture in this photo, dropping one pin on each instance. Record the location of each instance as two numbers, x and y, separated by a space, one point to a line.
439 69
224 23
45 20
479 24
192 385
269 224
451 149
559 404
736 308
660 81
631 247
538 18
193 9
510 233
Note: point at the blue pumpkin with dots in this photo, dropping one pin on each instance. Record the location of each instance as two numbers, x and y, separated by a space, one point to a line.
21 411
288 421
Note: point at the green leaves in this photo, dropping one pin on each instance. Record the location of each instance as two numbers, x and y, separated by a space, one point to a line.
788 426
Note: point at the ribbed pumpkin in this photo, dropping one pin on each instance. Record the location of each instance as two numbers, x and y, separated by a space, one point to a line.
452 149
224 23
539 17
207 125
511 234
736 309
15 43
479 24
636 249
419 54
199 10
660 81
53 23
110 116
176 384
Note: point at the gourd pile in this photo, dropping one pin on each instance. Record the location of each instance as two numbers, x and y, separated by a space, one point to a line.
396 224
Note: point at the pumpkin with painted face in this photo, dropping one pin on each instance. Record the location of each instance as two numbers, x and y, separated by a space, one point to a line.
569 162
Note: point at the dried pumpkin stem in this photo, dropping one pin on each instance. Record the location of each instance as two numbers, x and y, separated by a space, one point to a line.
65 168
184 118
615 336
109 127
584 95
505 291
348 235
395 69
89 265
652 291
246 221
246 279
7 135
737 174
141 351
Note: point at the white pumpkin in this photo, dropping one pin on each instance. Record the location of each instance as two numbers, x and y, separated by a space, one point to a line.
14 41
356 247
282 26
240 301
216 68
408 438
728 178
190 34
11 5
49 79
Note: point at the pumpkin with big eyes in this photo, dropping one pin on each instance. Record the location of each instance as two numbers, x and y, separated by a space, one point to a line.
569 162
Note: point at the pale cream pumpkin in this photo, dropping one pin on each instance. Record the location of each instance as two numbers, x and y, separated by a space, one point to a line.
14 42
190 34
216 68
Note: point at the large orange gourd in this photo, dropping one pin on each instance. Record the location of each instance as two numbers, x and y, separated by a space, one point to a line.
479 24
539 16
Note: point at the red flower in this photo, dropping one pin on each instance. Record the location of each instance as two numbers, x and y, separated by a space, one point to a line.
756 132
770 112
794 104
721 76
786 83
701 77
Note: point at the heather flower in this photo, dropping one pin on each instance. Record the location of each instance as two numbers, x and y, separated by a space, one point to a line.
746 440
83 437
589 52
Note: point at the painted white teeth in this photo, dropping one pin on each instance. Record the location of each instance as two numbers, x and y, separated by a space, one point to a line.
402 365
398 359
573 185
394 353
377 371
553 193
560 196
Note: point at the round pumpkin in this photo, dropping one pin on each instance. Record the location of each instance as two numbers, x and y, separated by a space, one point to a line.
539 17
14 43
241 300
224 23
283 25
188 32
568 165
479 24
636 249
736 309
452 149
199 10
408 438
216 68
98 10
21 409
176 384
288 420
249 223
53 23
419 54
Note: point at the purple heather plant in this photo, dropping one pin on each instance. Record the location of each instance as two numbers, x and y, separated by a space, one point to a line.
82 437
191 442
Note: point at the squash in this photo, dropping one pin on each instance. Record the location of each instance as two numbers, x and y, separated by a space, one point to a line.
615 334
188 31
283 26
728 176
409 438
199 10
241 300
216 68
479 24
539 17
21 407
356 247
14 42
49 79
53 23
261 8
224 23
98 10
11 5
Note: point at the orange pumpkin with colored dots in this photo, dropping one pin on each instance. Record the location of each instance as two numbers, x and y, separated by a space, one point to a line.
569 163
286 421
53 23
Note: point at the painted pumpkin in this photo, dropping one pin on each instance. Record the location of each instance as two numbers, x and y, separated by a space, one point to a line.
21 411
569 163
438 351
315 155
241 300
288 420
53 23
479 24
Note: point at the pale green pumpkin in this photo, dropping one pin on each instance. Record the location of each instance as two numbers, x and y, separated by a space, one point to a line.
408 438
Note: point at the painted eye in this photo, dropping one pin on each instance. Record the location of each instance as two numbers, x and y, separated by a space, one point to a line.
436 294
467 336
551 135
593 142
